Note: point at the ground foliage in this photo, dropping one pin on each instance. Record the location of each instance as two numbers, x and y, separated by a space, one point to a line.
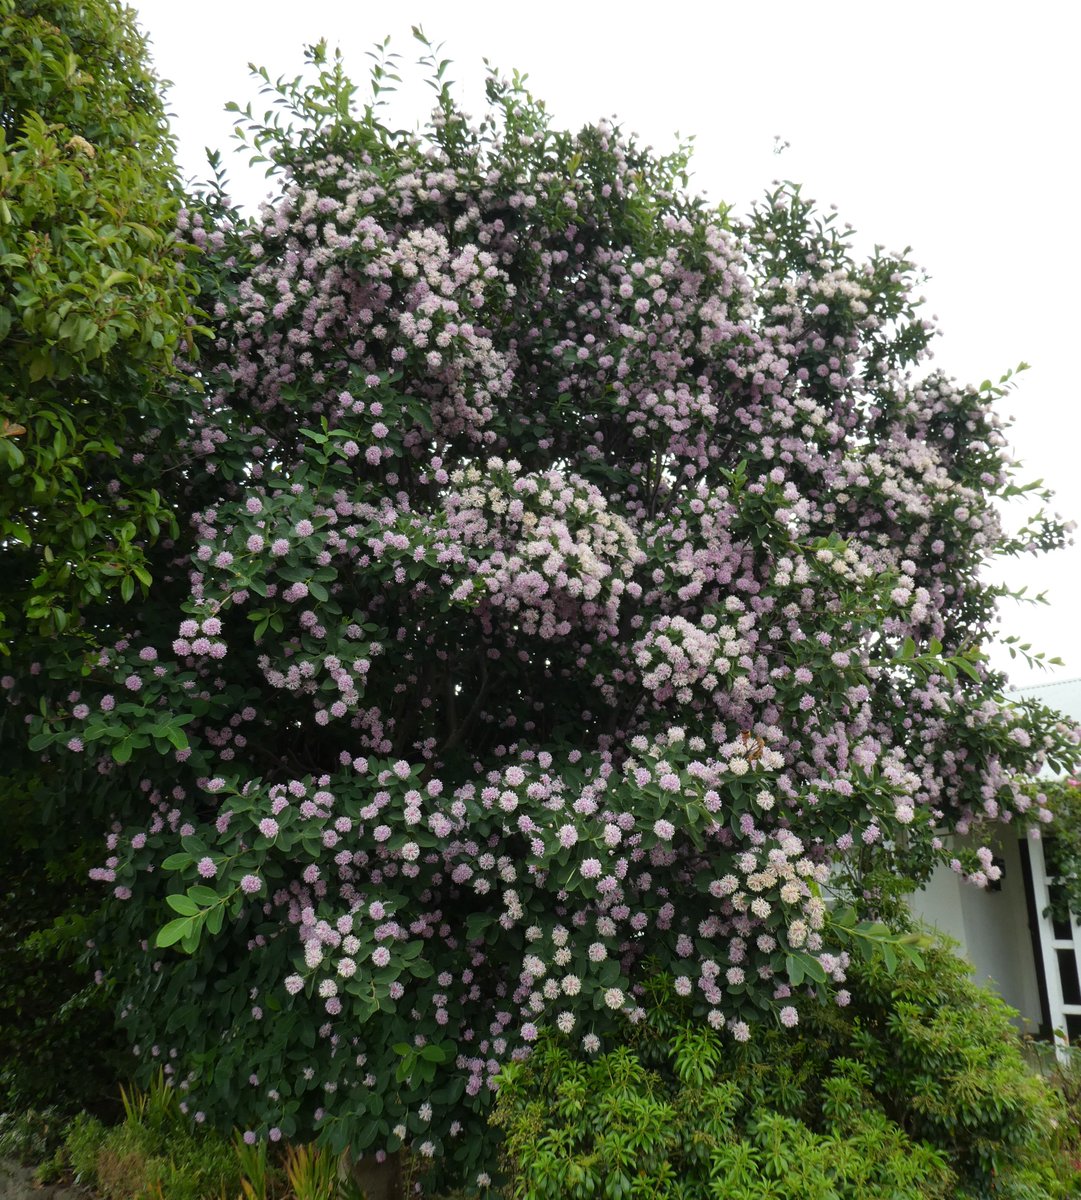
565 571
155 1152
917 1090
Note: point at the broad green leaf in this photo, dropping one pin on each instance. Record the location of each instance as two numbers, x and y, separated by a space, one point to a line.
169 934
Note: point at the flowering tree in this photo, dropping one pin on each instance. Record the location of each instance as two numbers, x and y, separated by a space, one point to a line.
577 585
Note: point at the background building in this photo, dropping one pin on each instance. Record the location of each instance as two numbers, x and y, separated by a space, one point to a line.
1006 932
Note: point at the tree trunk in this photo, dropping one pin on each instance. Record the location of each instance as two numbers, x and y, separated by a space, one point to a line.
379 1180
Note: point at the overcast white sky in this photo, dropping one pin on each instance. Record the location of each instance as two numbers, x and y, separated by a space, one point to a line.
950 127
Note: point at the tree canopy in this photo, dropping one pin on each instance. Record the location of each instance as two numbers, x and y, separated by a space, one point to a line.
93 305
574 584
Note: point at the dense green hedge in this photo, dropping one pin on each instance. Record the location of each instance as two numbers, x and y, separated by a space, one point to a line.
58 1043
917 1090
93 304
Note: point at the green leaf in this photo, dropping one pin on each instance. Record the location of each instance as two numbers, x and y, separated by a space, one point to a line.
476 924
844 917
177 737
962 664
169 934
39 366
182 904
204 896
913 956
812 968
190 942
608 973
177 862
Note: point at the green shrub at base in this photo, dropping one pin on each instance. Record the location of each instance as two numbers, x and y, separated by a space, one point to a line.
156 1153
31 1137
919 1091
945 1061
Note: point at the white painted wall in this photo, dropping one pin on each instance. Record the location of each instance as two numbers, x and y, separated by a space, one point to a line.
991 929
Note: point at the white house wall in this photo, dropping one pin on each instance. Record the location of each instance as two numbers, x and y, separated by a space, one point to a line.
991 929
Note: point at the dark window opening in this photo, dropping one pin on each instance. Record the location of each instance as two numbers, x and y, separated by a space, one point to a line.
1067 969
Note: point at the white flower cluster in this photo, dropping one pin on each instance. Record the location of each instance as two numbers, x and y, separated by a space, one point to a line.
558 556
676 656
781 874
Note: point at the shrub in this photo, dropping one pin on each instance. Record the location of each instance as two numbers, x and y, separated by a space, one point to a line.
94 302
31 1136
93 305
1061 1067
568 572
156 1153
58 1042
944 1061
917 1090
